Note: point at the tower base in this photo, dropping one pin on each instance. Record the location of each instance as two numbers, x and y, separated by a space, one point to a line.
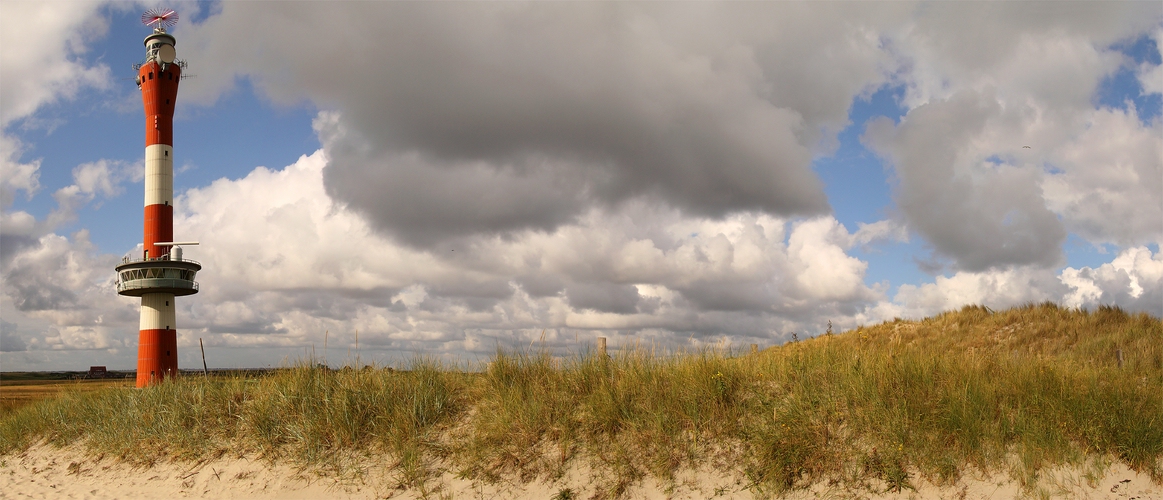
157 356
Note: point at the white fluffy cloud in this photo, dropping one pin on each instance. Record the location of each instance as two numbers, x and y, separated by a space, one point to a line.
41 63
65 287
58 292
285 267
1107 181
642 268
993 288
1134 280
640 272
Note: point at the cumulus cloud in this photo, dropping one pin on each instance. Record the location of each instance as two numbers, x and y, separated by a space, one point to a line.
47 67
102 178
615 169
492 118
980 213
17 228
1107 182
16 176
53 275
286 266
1133 280
883 230
994 157
21 230
1054 55
995 288
487 119
641 268
641 272
63 290
62 285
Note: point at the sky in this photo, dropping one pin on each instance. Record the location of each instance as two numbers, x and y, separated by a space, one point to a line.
387 180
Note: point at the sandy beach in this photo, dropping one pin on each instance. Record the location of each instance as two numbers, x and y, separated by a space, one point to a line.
51 473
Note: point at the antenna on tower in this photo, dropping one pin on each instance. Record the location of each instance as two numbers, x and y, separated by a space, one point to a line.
160 18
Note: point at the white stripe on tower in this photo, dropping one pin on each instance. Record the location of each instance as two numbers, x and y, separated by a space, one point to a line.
157 312
159 175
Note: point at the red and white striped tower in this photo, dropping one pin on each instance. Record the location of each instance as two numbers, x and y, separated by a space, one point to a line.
161 274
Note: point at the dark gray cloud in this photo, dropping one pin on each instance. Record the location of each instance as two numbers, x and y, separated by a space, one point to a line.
482 118
731 296
12 245
541 284
980 214
35 295
604 297
29 281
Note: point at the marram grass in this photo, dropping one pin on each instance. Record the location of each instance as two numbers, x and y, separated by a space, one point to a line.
1011 392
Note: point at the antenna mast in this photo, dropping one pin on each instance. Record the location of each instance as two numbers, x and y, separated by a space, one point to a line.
160 19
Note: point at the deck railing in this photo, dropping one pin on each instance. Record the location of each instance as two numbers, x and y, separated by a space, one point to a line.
164 258
156 283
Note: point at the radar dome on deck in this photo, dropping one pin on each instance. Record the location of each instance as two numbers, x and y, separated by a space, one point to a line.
166 53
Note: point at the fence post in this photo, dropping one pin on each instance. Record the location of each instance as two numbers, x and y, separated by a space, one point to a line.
602 347
1119 355
205 372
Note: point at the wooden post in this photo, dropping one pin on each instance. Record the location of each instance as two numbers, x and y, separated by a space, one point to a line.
754 348
1119 355
205 372
602 347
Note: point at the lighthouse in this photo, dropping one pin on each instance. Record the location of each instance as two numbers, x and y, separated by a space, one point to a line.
159 274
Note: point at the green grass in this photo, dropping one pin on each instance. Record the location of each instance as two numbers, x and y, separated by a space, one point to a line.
1014 392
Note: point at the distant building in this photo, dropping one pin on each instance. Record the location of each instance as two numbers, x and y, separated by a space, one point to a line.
97 372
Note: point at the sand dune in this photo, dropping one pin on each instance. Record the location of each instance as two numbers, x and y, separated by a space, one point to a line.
51 473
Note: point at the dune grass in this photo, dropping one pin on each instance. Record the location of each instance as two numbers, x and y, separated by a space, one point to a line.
1014 392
